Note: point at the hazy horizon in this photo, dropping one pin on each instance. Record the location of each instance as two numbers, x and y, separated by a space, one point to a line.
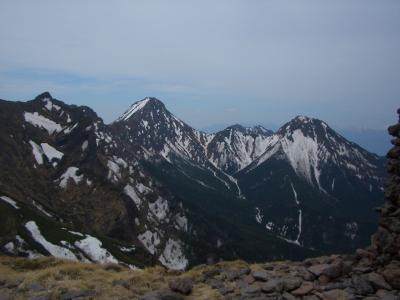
210 63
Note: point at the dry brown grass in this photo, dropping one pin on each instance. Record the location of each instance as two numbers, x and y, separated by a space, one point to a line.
109 281
57 274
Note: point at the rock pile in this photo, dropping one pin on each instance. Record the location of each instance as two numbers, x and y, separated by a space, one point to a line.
386 242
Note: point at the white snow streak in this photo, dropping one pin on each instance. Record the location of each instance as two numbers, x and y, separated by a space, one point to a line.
10 201
130 191
37 152
55 250
133 109
39 121
92 248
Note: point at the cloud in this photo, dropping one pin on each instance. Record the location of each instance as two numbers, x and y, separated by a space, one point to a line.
337 60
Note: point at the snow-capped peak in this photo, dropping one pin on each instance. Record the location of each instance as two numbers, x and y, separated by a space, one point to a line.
236 146
310 145
138 106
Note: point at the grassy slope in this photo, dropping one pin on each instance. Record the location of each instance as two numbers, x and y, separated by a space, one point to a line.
108 281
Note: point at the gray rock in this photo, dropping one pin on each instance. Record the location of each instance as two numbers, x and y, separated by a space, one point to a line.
330 270
215 283
305 274
68 295
378 281
287 296
241 284
167 295
336 295
35 287
387 295
249 279
122 283
304 289
226 290
45 296
235 274
310 297
150 296
252 289
291 283
392 275
260 275
346 283
272 285
211 273
5 295
362 285
181 285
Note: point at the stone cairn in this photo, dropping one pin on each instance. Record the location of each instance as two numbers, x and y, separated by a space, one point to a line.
386 241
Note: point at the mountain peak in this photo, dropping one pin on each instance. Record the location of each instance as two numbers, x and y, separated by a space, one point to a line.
303 123
258 129
152 102
43 96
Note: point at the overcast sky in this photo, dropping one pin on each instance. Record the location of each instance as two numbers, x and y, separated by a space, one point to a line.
211 62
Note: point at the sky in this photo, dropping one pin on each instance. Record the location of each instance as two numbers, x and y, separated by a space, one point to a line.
210 62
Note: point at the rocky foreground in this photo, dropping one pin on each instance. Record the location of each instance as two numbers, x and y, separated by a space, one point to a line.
359 276
371 273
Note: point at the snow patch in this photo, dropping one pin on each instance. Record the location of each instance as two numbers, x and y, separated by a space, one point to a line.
135 107
159 208
70 173
182 222
130 191
10 201
54 250
259 216
173 257
41 209
149 240
39 121
37 152
85 145
92 248
51 153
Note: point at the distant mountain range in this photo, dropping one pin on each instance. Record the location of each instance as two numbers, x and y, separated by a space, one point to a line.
149 188
373 140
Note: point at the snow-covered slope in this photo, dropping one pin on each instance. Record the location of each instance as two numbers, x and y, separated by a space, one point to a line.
310 145
149 124
175 195
235 147
308 173
155 132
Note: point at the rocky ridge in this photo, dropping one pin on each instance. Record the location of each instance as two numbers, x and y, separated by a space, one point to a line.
372 273
150 188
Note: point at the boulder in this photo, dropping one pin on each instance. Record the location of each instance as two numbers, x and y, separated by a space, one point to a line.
272 285
304 289
333 270
181 285
392 275
378 281
335 295
362 285
291 283
260 275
